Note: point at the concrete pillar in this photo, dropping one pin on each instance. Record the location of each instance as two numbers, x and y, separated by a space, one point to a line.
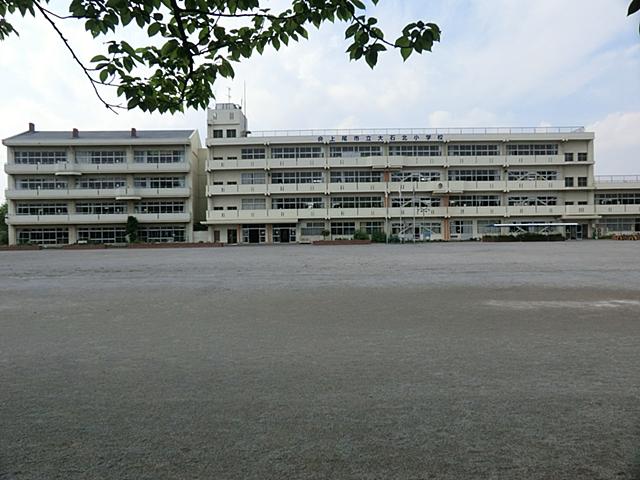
12 235
73 234
446 232
269 228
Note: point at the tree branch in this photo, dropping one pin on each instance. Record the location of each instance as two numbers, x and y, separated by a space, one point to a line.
45 14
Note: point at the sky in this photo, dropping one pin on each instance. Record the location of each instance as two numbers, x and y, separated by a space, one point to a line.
499 63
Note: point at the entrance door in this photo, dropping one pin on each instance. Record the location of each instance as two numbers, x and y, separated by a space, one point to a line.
232 236
254 235
284 235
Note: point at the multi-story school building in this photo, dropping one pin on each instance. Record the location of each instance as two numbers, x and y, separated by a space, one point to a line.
301 186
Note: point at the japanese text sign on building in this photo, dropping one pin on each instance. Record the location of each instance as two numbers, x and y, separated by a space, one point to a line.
414 137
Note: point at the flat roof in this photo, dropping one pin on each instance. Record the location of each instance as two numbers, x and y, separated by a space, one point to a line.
56 137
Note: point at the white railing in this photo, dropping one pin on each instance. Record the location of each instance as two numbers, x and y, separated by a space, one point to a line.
416 131
617 178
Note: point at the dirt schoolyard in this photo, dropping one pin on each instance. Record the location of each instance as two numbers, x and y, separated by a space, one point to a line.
434 361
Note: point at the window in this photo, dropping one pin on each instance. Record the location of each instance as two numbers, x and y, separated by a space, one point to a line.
568 157
355 151
582 181
583 202
582 156
296 152
474 175
532 149
531 176
101 183
405 176
474 201
41 208
622 198
485 227
100 157
43 183
254 204
231 133
365 176
412 201
232 207
415 150
312 228
101 208
568 203
29 157
297 177
568 182
158 156
162 233
372 227
217 133
525 201
473 150
461 228
106 234
158 182
619 224
357 202
252 178
43 236
343 228
252 153
290 203
159 206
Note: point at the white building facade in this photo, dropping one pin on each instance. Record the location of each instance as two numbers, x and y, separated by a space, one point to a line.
81 187
415 184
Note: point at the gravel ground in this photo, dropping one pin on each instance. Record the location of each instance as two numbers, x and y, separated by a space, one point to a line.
437 361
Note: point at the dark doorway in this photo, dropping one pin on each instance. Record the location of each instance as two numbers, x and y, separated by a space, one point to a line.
232 236
254 235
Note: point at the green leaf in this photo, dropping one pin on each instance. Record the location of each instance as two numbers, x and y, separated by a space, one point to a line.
633 7
406 53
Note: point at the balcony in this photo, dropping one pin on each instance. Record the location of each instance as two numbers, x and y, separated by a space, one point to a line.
352 162
163 217
338 213
408 162
258 164
252 216
418 212
357 187
617 209
70 219
70 168
548 210
515 160
311 188
410 187
474 161
477 211
617 182
296 163
255 189
536 185
138 193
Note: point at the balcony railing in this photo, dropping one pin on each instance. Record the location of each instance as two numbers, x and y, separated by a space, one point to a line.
416 131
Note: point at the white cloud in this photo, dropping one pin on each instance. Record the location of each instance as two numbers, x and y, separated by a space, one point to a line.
500 63
617 143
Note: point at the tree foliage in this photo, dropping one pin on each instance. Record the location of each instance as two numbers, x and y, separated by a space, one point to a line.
193 43
4 230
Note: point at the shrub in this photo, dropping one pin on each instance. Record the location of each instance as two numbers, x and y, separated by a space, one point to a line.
132 229
360 235
378 237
